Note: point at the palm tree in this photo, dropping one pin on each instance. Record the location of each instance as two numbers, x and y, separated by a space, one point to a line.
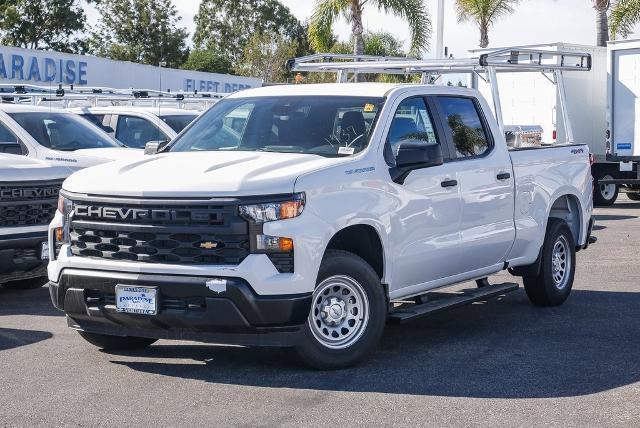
484 13
326 12
624 15
602 24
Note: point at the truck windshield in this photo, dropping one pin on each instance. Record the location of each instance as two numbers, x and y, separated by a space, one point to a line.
63 131
178 122
322 125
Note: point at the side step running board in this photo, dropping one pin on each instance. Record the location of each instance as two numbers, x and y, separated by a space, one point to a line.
439 302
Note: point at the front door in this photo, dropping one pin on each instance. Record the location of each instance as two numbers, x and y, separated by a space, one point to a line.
425 226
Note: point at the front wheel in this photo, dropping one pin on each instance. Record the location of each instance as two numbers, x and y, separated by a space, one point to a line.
347 316
109 343
552 285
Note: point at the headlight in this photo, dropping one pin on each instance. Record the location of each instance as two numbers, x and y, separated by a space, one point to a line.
64 206
272 211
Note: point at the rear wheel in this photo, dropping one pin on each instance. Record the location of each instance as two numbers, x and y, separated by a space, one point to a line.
108 343
633 196
605 194
552 285
26 284
347 316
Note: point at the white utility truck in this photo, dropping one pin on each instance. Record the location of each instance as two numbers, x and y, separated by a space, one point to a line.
28 199
623 117
532 99
328 211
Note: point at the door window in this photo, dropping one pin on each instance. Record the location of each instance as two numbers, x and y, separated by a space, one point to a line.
9 143
411 122
465 125
136 132
99 121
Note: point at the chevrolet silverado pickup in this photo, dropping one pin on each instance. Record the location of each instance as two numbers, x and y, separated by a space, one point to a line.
329 210
28 199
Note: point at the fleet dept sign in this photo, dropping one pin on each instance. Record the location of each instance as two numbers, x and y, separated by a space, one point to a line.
49 68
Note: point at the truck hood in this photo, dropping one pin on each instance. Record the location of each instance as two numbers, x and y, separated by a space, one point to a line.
17 168
198 174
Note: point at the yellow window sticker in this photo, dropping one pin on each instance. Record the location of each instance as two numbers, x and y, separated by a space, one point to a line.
368 108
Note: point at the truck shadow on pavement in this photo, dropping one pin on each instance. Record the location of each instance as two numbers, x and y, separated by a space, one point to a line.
505 348
12 338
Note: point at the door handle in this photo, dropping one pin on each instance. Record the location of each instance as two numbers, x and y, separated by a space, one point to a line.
449 183
503 176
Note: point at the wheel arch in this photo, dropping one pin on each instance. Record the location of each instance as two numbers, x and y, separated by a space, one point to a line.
567 207
363 240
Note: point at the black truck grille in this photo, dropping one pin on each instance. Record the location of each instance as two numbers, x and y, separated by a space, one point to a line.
154 233
28 204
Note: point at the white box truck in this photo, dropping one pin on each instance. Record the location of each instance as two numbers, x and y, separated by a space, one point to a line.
530 99
623 114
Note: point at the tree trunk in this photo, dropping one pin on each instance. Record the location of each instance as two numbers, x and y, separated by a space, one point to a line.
602 27
357 28
484 36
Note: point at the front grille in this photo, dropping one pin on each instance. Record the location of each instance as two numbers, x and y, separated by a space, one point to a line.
28 204
182 234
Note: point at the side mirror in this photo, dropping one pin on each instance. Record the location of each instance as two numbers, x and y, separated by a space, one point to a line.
153 147
413 155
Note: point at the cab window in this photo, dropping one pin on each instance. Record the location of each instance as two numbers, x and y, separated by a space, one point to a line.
464 125
136 132
411 122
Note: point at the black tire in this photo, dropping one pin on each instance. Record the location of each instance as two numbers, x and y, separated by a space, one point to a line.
26 284
633 196
347 267
109 343
605 195
544 289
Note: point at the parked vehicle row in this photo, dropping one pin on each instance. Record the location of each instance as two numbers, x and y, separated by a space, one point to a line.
39 148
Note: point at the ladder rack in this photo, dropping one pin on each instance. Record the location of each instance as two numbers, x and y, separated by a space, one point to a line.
503 60
93 96
486 66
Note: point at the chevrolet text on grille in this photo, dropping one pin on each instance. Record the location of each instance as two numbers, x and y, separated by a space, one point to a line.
29 193
138 213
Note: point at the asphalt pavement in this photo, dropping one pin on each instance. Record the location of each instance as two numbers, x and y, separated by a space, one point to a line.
499 363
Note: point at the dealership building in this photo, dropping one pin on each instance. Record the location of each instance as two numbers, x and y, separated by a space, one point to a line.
48 68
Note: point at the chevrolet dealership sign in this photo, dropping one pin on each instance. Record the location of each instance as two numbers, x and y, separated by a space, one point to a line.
34 67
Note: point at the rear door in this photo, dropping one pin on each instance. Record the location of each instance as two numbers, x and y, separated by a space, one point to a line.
625 102
485 179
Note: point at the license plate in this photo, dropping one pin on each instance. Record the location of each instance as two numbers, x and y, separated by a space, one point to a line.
136 300
44 251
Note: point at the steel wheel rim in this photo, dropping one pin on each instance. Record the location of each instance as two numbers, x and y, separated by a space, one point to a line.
561 262
339 312
607 190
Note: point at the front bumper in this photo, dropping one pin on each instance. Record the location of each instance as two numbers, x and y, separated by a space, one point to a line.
188 310
20 256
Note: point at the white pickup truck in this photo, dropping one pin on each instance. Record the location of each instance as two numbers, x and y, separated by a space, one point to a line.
333 209
28 199
56 136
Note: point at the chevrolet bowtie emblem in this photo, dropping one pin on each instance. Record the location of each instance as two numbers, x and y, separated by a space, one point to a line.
208 245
